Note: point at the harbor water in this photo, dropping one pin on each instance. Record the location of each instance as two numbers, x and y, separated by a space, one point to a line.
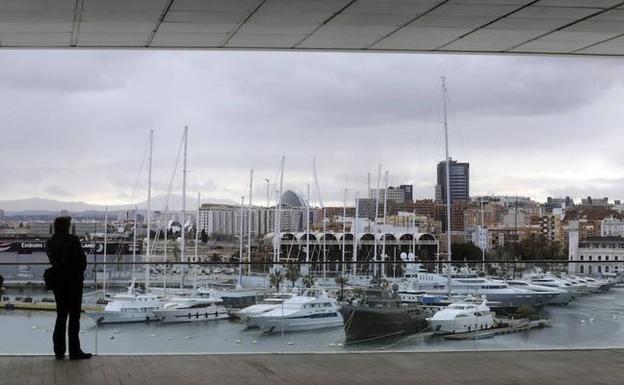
591 321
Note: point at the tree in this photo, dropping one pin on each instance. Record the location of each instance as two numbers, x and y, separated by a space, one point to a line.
308 281
293 274
341 280
204 236
276 278
466 251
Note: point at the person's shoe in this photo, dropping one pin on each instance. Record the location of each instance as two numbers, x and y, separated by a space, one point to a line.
59 356
80 356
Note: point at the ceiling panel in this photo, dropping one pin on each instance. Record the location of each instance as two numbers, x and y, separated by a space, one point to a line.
278 40
298 6
196 27
36 27
523 25
607 22
37 5
188 39
47 39
580 3
205 17
562 42
420 38
336 41
124 5
111 27
492 40
215 5
510 26
120 16
123 39
611 47
36 16
384 7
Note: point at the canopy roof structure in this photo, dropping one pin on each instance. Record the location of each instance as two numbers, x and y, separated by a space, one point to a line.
564 27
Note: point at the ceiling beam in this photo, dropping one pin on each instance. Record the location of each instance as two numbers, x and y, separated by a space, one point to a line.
76 26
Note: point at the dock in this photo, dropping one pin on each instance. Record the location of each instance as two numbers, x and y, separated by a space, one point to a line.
41 306
513 326
569 367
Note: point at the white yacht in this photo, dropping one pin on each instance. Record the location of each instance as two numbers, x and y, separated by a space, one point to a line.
552 281
499 294
312 310
191 309
563 296
129 307
268 304
461 317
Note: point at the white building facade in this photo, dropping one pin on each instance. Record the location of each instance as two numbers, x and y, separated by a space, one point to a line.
594 256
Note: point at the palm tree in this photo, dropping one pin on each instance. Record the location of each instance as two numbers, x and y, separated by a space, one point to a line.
308 281
292 274
341 280
276 278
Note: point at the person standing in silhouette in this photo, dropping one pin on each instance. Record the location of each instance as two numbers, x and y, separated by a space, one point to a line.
69 261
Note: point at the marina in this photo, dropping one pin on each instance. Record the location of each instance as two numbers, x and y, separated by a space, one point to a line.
590 320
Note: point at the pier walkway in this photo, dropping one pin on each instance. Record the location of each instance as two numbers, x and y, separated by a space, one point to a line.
568 367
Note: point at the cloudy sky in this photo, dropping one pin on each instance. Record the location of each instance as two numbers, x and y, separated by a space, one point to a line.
75 124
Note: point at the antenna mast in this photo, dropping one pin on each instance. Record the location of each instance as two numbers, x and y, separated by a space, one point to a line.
448 185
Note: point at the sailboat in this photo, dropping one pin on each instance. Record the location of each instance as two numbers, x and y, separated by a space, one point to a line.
134 305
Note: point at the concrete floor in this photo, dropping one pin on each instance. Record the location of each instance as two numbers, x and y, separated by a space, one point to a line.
482 368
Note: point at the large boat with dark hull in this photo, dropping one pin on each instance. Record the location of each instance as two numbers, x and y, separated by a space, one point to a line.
380 314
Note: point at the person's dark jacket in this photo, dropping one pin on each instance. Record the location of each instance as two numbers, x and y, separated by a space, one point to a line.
65 253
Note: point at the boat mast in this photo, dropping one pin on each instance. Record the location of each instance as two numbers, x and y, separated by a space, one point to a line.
134 240
344 229
448 185
196 240
307 256
375 220
355 234
183 218
165 250
240 250
278 216
105 247
482 232
148 214
385 211
251 172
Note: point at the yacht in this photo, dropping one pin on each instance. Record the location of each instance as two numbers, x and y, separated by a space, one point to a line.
268 304
552 281
311 310
462 317
191 309
563 296
380 314
500 295
132 306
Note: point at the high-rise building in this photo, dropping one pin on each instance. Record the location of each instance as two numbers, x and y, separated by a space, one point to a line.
459 178
398 194
408 191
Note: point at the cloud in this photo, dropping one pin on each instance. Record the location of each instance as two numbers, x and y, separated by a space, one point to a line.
75 124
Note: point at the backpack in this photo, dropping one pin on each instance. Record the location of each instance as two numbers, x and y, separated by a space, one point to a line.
50 278
51 275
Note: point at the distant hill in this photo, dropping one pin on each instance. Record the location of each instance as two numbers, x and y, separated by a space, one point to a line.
41 206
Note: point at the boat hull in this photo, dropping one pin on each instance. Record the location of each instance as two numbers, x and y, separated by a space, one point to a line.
362 323
293 324
115 317
190 315
462 325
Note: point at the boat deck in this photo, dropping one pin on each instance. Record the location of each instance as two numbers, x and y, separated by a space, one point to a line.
603 366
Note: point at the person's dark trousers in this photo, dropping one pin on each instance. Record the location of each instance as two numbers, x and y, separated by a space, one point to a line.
68 303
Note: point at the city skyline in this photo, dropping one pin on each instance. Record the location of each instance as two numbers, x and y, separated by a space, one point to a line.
524 131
